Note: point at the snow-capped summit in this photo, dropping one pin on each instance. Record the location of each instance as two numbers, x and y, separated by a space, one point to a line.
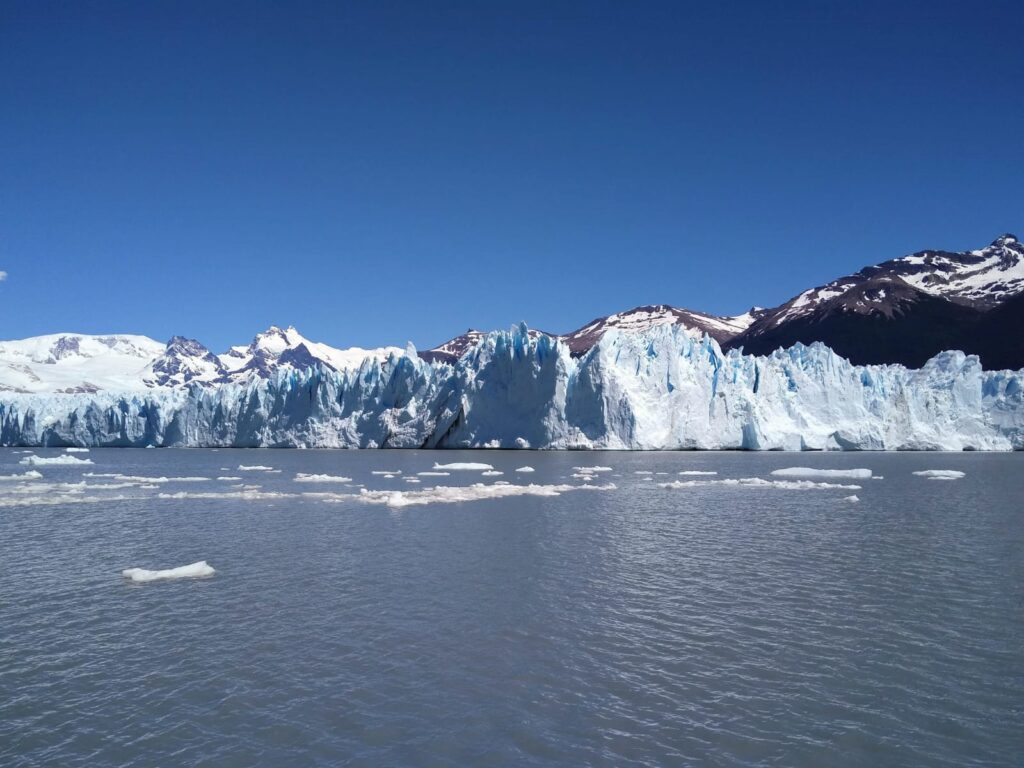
905 310
277 348
982 278
182 362
74 362
644 318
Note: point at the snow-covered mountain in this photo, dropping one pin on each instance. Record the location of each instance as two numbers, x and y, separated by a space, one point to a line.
642 319
663 388
636 320
74 362
906 310
275 349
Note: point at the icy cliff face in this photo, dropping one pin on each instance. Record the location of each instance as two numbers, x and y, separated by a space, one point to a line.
661 389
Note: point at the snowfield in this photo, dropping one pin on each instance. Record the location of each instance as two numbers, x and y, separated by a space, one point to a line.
661 389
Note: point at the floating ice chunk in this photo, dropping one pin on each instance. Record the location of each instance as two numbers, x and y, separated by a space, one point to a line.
643 472
144 478
228 478
55 499
434 474
758 482
491 473
302 477
194 571
692 472
386 472
941 474
453 494
411 479
254 468
851 499
77 450
463 465
30 475
856 474
53 461
525 469
593 469
248 492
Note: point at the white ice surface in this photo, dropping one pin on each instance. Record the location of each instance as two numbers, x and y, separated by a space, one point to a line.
941 474
195 570
855 474
54 461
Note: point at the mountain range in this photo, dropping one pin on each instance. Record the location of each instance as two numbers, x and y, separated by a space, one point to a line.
904 310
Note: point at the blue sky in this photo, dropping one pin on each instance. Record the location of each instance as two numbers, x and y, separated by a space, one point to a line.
374 173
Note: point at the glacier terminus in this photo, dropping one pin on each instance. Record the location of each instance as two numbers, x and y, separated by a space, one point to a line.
661 388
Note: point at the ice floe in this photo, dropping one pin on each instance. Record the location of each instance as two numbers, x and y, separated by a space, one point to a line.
593 469
30 475
853 498
463 465
302 477
386 472
454 494
434 474
254 468
696 472
77 450
145 478
525 469
758 482
491 473
193 571
941 474
854 474
54 461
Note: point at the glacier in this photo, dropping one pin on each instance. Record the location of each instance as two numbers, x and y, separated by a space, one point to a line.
665 388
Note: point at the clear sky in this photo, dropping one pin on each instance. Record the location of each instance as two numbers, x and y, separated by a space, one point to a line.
380 172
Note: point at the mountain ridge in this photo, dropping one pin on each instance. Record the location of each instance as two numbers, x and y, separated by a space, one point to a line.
903 310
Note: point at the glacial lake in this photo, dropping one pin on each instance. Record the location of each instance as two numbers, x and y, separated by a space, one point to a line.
708 624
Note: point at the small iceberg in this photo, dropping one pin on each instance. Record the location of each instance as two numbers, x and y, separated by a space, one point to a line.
463 465
695 472
852 499
53 461
30 475
77 450
198 570
302 477
525 469
941 474
856 474
254 468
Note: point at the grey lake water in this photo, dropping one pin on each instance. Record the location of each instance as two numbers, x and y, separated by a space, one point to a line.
703 625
